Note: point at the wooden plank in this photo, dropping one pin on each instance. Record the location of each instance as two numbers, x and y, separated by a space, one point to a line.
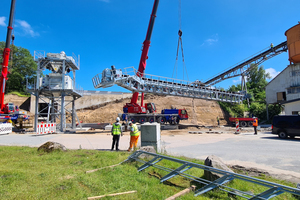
94 170
183 192
111 195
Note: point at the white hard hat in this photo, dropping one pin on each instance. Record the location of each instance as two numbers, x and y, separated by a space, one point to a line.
130 122
118 119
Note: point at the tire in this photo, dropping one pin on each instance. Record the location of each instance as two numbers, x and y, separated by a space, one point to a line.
161 120
151 119
282 135
243 124
250 124
142 120
132 119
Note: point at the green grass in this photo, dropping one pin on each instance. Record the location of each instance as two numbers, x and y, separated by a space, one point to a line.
26 173
20 94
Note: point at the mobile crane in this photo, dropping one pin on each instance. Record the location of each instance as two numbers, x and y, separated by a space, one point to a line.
133 106
141 82
147 113
9 111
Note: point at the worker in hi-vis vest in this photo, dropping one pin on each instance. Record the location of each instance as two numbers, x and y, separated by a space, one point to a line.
116 131
134 135
255 124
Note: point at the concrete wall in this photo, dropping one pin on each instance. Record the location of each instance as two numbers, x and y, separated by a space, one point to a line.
289 77
96 99
290 107
87 100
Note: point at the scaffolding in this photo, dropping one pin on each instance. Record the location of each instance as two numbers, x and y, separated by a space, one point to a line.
55 90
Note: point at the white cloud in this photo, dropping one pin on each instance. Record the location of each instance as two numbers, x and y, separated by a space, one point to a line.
212 40
272 72
236 81
2 21
27 28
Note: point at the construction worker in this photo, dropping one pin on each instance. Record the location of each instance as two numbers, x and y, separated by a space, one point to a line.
134 135
255 124
218 120
116 131
272 46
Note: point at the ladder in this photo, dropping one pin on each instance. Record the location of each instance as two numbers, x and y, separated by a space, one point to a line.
162 85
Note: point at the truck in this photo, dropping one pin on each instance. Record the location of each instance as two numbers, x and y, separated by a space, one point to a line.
243 121
9 111
171 116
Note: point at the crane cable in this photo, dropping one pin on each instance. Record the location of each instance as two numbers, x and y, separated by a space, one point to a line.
180 45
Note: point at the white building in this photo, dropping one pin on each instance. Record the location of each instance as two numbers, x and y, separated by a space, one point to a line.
285 89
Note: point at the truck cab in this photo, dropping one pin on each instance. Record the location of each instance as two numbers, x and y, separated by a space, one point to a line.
9 108
183 115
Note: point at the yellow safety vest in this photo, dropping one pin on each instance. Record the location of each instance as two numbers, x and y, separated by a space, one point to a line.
116 129
135 131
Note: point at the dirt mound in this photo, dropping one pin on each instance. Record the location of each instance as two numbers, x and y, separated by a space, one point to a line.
201 112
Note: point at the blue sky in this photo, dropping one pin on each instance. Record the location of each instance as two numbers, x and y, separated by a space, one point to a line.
216 34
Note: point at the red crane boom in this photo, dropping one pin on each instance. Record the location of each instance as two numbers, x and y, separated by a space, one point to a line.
6 53
142 65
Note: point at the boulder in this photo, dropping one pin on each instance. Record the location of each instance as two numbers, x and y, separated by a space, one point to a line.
150 149
215 162
52 146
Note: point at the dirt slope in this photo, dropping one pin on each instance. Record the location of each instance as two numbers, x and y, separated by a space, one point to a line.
201 112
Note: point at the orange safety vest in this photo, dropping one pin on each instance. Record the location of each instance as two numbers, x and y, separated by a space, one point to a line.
255 122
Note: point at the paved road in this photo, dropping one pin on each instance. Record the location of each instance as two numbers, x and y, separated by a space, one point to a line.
264 151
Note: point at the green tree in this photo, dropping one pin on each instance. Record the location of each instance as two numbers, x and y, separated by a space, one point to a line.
21 67
256 83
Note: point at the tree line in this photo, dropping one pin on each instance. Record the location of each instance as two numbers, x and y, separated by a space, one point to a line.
22 67
256 83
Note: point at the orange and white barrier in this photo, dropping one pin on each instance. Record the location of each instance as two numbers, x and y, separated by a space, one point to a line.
45 128
237 126
5 128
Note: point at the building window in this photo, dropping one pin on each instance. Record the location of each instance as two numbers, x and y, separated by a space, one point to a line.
293 90
295 73
295 112
281 96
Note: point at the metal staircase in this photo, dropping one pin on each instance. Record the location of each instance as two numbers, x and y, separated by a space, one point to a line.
162 85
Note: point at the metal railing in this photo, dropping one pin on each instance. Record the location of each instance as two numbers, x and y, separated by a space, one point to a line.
129 79
271 189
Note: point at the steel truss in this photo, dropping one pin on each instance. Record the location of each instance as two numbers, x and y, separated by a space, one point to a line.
242 68
162 86
272 189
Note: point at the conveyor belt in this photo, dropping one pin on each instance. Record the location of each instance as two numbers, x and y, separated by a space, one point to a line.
245 66
163 86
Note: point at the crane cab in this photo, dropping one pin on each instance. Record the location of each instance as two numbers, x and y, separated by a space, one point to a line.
150 107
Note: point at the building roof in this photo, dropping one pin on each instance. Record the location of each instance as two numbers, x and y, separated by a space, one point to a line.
291 101
277 75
